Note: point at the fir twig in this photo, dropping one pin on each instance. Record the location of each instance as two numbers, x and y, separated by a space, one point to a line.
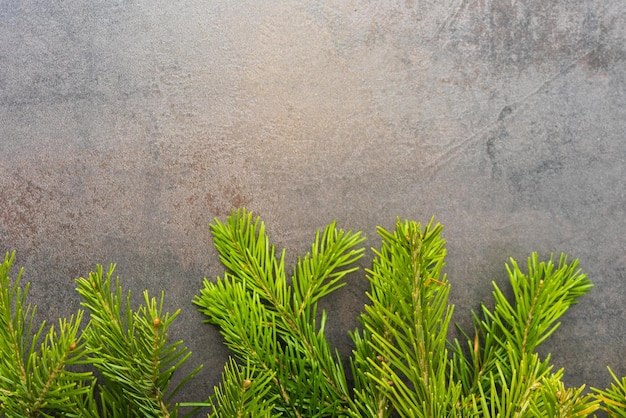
274 326
406 326
613 398
35 379
131 348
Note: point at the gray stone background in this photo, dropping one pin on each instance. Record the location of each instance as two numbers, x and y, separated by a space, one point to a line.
127 126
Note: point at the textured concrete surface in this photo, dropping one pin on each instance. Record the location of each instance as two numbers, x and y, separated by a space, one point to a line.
126 126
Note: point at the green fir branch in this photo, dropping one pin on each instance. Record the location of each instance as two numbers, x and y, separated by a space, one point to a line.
35 375
502 337
273 325
406 326
614 398
553 399
131 348
244 392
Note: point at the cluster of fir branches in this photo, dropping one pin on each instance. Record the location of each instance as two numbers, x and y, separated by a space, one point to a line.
403 363
119 363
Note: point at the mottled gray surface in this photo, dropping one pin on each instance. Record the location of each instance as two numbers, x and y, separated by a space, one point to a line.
126 126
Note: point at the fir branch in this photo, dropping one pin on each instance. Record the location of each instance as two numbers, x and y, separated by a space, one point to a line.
244 392
131 348
14 326
541 297
406 323
320 272
502 337
35 379
254 293
613 398
47 368
553 399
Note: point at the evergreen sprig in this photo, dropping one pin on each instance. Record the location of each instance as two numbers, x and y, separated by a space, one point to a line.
273 325
36 378
131 349
405 327
244 392
50 373
506 337
614 398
